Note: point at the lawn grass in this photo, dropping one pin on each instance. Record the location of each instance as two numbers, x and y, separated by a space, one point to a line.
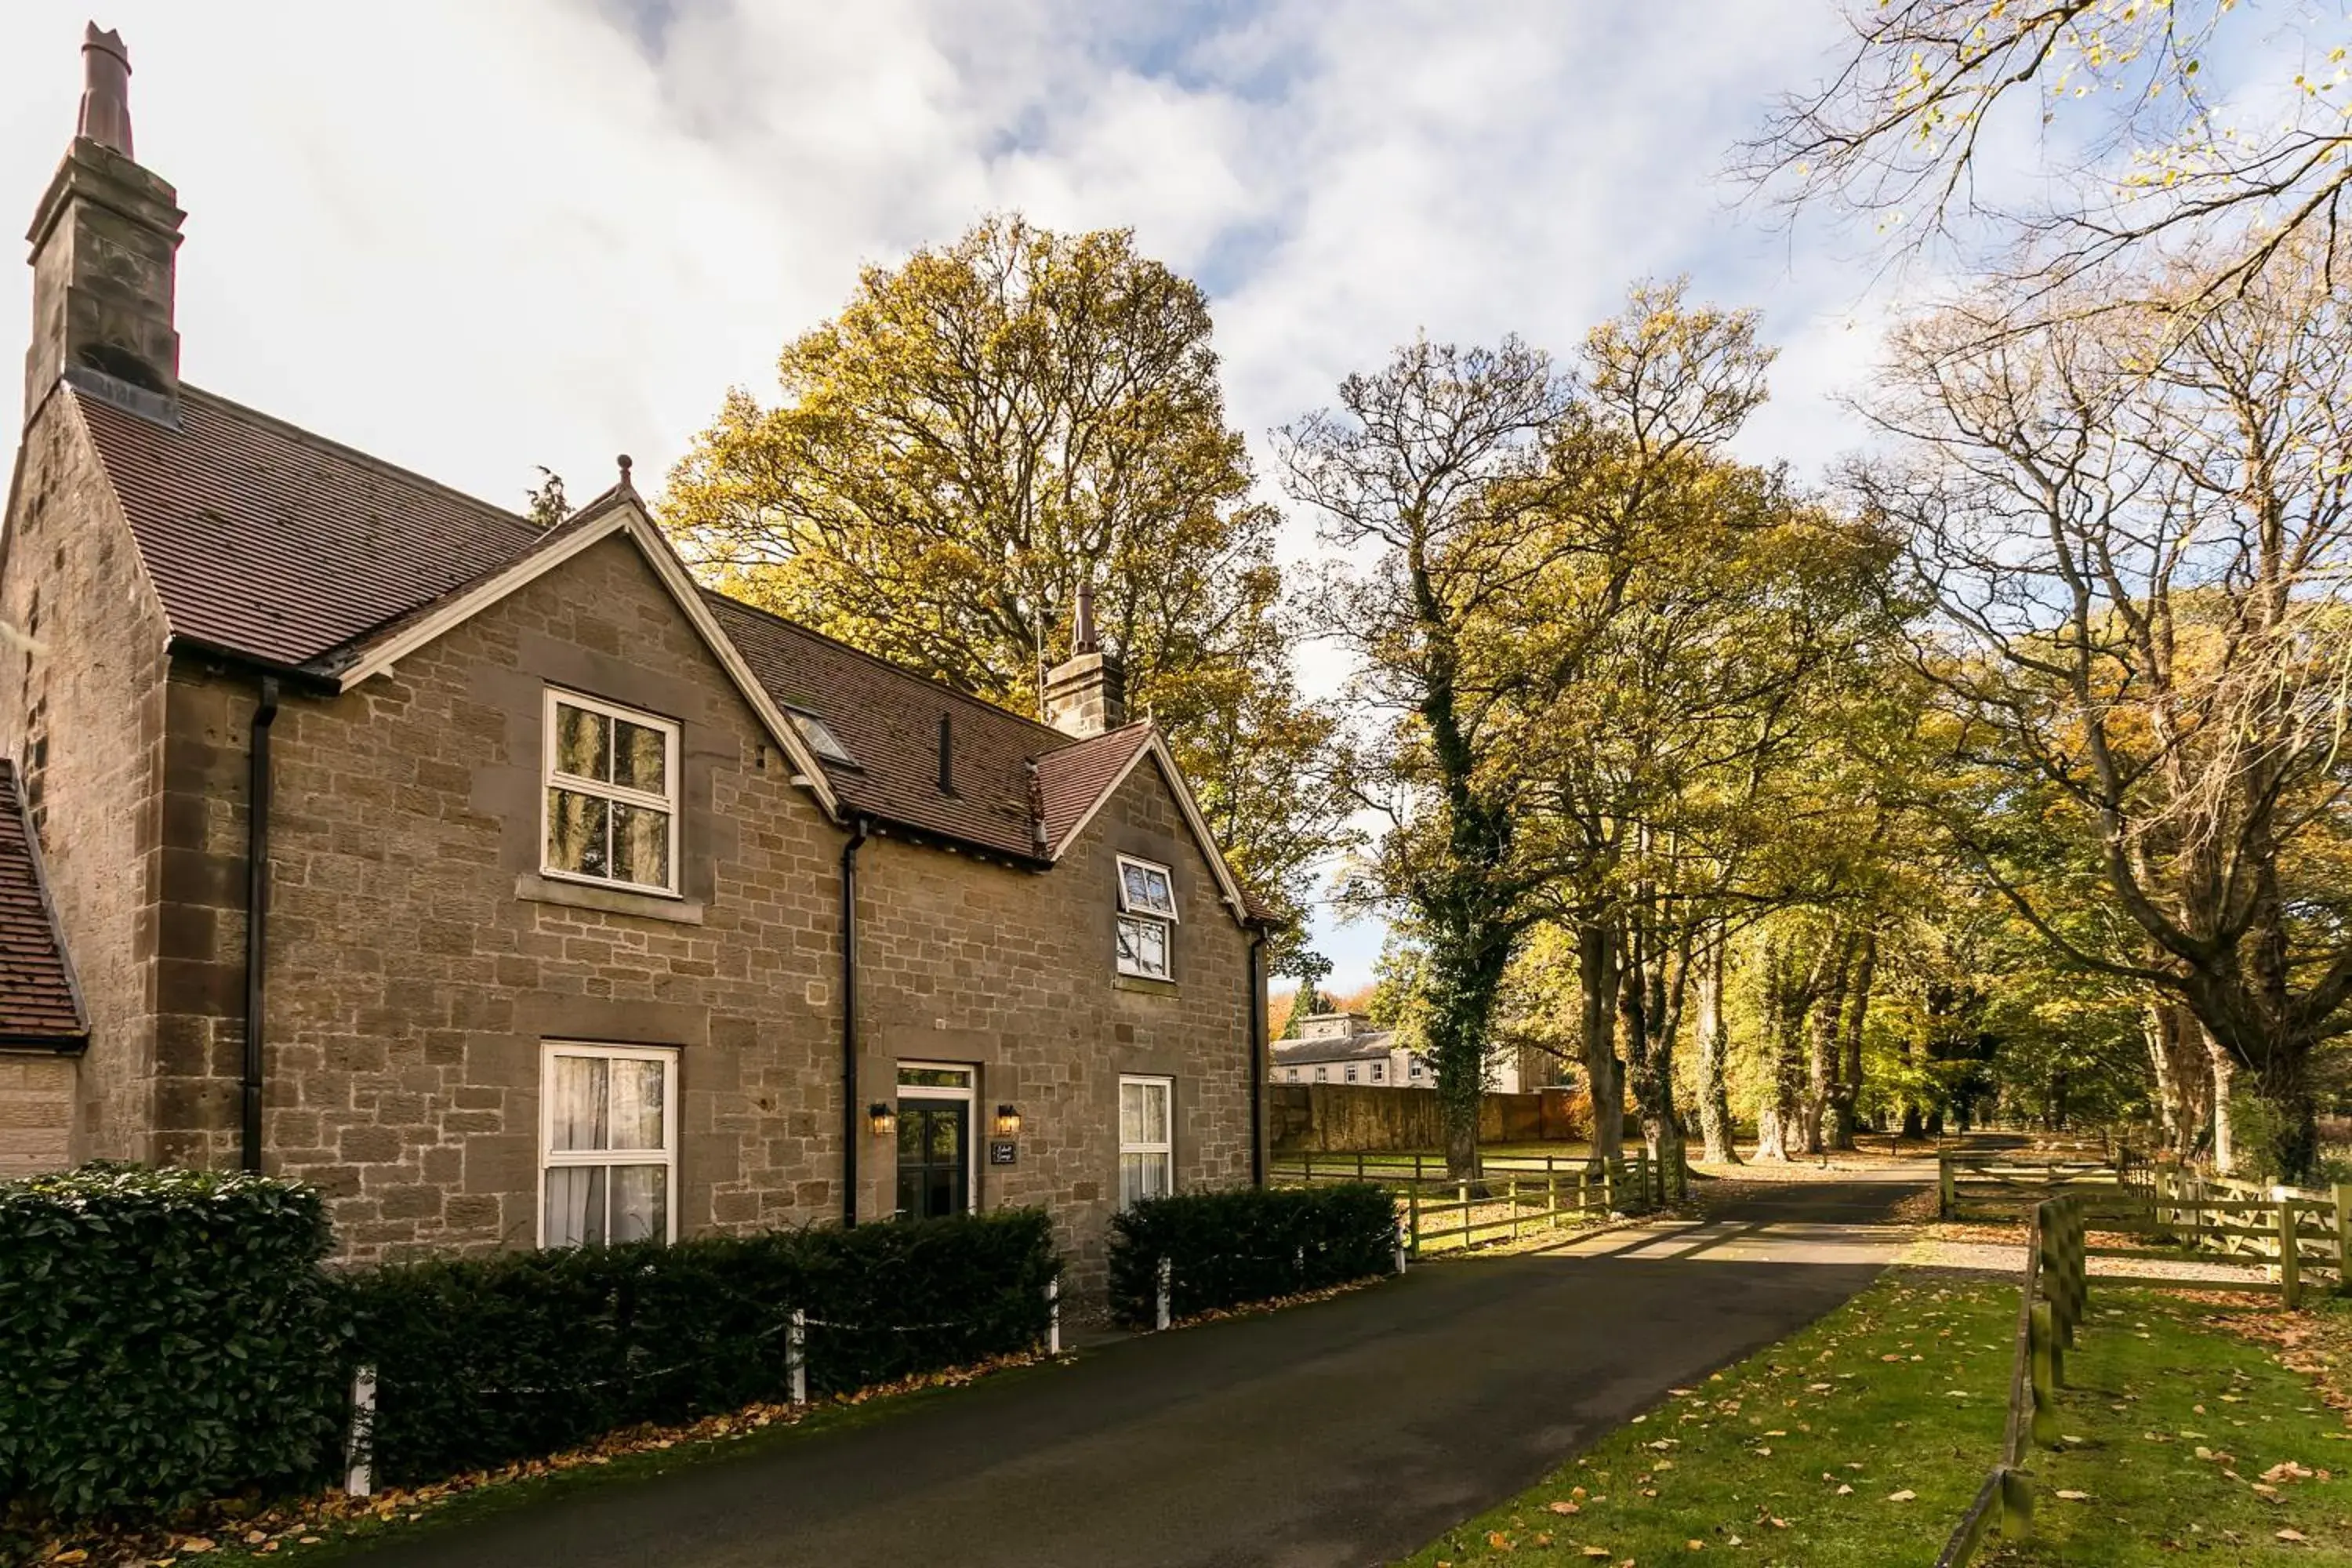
1857 1443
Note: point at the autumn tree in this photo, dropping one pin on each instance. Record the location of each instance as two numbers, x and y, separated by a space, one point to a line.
2134 525
982 430
2166 122
1697 615
1428 478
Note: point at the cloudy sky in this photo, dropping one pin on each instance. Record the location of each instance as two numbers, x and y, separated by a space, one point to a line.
471 235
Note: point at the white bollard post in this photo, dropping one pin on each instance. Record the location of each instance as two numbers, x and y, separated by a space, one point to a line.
1053 1316
1167 1282
796 1356
359 1474
1396 1240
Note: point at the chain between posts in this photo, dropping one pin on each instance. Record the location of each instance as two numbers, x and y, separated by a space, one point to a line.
359 1463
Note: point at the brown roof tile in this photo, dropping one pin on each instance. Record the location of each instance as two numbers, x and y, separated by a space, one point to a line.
1071 779
271 542
39 1003
888 719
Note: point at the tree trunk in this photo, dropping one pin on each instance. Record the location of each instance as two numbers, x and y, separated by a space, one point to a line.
2225 1073
1822 1047
1650 1010
1597 964
1845 1094
1780 1125
1714 1053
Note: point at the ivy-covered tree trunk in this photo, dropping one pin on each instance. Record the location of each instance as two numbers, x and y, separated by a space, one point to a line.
1714 1053
1465 968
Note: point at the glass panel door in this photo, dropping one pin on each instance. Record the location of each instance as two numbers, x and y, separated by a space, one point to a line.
934 1157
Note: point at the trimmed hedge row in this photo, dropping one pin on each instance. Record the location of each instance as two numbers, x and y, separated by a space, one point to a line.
171 1336
1250 1245
483 1360
164 1336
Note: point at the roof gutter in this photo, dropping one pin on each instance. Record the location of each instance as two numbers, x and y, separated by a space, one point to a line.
849 1106
63 1045
257 916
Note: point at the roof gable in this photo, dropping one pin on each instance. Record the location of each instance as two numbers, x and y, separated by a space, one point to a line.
1079 781
614 514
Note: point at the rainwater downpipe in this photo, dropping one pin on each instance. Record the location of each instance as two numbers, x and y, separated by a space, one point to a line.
1256 1059
256 915
850 1110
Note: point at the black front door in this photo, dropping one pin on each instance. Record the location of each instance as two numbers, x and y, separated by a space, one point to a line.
934 1157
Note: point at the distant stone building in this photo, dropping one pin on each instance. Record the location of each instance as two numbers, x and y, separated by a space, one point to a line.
517 891
1342 1047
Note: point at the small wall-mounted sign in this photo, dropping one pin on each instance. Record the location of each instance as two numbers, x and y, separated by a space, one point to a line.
1002 1150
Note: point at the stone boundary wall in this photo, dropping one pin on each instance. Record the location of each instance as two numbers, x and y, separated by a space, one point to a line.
1345 1118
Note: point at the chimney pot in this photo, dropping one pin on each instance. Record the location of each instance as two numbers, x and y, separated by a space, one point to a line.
105 240
1085 694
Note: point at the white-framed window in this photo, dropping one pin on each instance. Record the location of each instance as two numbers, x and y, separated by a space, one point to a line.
1351 1072
1147 916
1379 1072
1147 1147
1418 1067
1322 1075
610 811
608 1144
1290 1075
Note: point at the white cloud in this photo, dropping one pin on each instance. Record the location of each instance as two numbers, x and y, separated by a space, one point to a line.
475 238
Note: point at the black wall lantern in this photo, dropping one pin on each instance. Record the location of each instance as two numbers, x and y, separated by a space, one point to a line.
882 1118
1008 1121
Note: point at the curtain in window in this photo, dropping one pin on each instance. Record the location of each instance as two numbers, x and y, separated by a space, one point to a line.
599 1103
1144 1172
1142 1176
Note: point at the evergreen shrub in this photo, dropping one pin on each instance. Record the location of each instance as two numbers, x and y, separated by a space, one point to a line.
482 1361
1226 1249
165 1336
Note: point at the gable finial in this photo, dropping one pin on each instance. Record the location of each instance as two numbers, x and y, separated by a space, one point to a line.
105 90
624 461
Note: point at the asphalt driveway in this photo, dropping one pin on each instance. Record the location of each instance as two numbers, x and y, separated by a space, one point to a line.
1334 1436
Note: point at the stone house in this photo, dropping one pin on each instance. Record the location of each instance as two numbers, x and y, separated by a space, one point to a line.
1341 1047
518 890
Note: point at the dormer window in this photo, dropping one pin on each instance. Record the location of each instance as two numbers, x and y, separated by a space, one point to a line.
611 796
1146 913
820 738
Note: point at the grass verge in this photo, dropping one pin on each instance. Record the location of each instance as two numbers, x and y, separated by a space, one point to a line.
1857 1443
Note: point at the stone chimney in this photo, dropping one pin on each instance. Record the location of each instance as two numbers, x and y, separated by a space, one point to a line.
104 239
1085 694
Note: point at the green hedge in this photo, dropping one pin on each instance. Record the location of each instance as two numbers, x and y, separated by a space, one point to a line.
164 1336
172 1336
483 1360
1248 1245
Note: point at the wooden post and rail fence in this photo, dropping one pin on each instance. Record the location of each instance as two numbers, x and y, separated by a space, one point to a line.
2300 1238
1511 1197
2050 1310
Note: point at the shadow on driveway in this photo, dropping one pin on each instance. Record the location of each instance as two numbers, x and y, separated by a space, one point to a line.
1335 1436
